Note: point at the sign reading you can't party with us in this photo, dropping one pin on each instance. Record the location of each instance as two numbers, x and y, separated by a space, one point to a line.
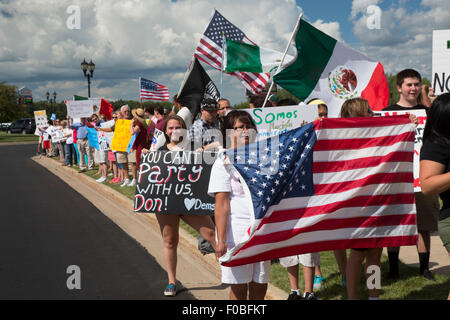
175 182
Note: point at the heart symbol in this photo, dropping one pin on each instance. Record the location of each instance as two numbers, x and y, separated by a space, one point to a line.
189 203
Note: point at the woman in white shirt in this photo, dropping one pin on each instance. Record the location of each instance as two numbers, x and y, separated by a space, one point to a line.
232 214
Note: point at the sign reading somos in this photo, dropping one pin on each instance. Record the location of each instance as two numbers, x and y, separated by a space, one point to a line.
175 182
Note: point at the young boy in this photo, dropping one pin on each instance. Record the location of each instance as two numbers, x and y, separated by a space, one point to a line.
409 85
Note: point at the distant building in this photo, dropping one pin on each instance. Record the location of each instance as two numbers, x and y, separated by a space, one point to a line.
25 96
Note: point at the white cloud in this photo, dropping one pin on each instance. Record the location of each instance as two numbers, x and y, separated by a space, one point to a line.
127 39
405 37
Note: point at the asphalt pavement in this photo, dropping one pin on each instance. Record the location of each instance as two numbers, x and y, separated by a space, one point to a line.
46 227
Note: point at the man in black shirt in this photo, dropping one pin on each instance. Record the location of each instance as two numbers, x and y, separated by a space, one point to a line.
409 84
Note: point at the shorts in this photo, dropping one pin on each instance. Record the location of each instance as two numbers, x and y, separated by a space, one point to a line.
46 144
444 232
427 211
100 156
122 157
258 272
132 156
307 260
111 156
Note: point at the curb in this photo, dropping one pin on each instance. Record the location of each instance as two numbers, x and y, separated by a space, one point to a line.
146 220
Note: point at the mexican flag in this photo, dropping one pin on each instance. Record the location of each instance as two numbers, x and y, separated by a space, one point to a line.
327 69
244 57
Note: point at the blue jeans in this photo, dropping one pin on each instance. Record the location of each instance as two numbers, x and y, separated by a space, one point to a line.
68 154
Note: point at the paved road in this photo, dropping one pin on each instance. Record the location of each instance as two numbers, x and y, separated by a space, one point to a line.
45 227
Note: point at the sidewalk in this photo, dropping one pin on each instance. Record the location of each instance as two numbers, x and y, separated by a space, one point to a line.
197 273
439 259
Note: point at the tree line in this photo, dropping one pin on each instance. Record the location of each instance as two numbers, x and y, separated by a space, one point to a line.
11 110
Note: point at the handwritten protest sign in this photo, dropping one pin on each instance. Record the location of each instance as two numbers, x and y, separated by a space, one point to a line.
441 61
274 121
122 135
422 117
40 118
80 108
175 183
106 136
158 140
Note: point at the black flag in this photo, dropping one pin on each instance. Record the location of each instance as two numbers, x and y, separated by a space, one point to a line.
196 86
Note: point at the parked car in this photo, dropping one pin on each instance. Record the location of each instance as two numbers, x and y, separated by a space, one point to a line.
4 126
23 126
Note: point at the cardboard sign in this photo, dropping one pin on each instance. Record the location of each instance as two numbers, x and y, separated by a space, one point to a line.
92 136
422 117
441 61
122 135
276 120
40 118
175 182
80 108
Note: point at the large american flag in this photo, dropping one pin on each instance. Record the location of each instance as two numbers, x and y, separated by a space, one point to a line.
150 90
362 172
209 50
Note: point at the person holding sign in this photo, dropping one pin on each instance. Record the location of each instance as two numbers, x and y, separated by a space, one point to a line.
435 162
169 223
232 214
409 86
83 145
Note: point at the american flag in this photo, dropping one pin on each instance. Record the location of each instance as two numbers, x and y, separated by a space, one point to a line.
150 90
209 50
362 172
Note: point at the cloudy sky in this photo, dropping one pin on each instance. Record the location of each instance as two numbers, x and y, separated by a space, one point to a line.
155 39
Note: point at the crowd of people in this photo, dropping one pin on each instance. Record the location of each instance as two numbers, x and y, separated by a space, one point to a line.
232 215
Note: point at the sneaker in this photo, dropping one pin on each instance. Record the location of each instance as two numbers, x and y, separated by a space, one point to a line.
101 179
344 282
294 296
171 290
318 282
309 296
127 181
114 180
132 183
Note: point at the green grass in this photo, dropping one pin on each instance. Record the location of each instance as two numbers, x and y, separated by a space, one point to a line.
4 137
410 285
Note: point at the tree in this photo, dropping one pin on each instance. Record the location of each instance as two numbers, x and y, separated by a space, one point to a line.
10 109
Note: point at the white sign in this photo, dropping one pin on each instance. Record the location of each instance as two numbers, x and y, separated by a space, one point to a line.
158 140
40 118
422 117
80 109
276 120
441 61
105 138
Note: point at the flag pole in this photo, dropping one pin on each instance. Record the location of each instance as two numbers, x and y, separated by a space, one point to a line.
284 55
223 64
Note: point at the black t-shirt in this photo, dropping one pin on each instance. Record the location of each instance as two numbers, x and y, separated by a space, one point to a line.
396 107
439 152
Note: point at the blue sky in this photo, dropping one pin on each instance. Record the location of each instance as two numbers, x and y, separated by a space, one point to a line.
155 39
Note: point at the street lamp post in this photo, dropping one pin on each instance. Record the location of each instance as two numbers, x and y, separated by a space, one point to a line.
85 67
52 101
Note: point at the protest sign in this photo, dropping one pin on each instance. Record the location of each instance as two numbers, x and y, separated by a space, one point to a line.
158 140
80 109
274 121
422 117
441 61
105 138
40 118
175 182
92 136
122 135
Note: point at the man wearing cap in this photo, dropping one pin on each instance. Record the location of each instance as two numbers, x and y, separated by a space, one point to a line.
205 132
